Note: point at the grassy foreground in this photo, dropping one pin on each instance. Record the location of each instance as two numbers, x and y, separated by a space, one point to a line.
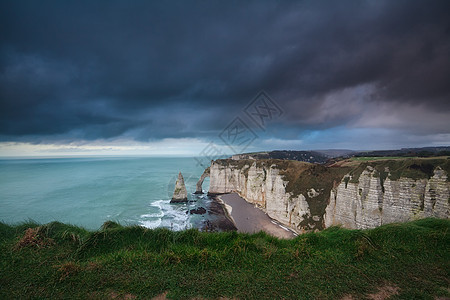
405 261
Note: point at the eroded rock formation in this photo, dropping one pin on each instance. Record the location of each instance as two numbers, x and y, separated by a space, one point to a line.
199 189
180 193
371 202
307 197
261 183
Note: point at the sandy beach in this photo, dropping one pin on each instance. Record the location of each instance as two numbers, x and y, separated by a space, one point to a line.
250 219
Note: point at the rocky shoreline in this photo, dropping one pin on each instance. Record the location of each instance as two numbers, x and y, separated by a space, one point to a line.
230 212
219 219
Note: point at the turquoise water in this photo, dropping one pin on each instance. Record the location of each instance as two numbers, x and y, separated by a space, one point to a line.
89 191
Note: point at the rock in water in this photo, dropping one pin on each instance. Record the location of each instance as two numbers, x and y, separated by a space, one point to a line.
180 193
197 211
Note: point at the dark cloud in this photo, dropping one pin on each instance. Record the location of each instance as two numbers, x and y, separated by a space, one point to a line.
147 69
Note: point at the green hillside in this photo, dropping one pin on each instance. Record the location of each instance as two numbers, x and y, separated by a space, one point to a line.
407 261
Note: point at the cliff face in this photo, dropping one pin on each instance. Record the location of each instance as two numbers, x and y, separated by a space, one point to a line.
266 184
371 202
307 197
260 184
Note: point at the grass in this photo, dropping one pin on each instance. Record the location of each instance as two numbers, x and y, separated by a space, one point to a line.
414 168
368 158
62 261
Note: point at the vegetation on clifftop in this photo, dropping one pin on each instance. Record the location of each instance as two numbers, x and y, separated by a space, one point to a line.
301 177
57 261
414 168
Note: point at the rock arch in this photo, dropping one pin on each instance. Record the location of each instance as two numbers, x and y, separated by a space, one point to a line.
199 189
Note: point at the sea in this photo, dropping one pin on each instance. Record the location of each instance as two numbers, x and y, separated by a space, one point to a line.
88 191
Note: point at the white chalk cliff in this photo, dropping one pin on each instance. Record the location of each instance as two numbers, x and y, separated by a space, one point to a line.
263 186
366 203
369 203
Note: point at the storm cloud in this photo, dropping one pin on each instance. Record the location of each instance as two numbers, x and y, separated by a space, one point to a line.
148 70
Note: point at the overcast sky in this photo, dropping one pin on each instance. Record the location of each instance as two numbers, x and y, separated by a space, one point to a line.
169 77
